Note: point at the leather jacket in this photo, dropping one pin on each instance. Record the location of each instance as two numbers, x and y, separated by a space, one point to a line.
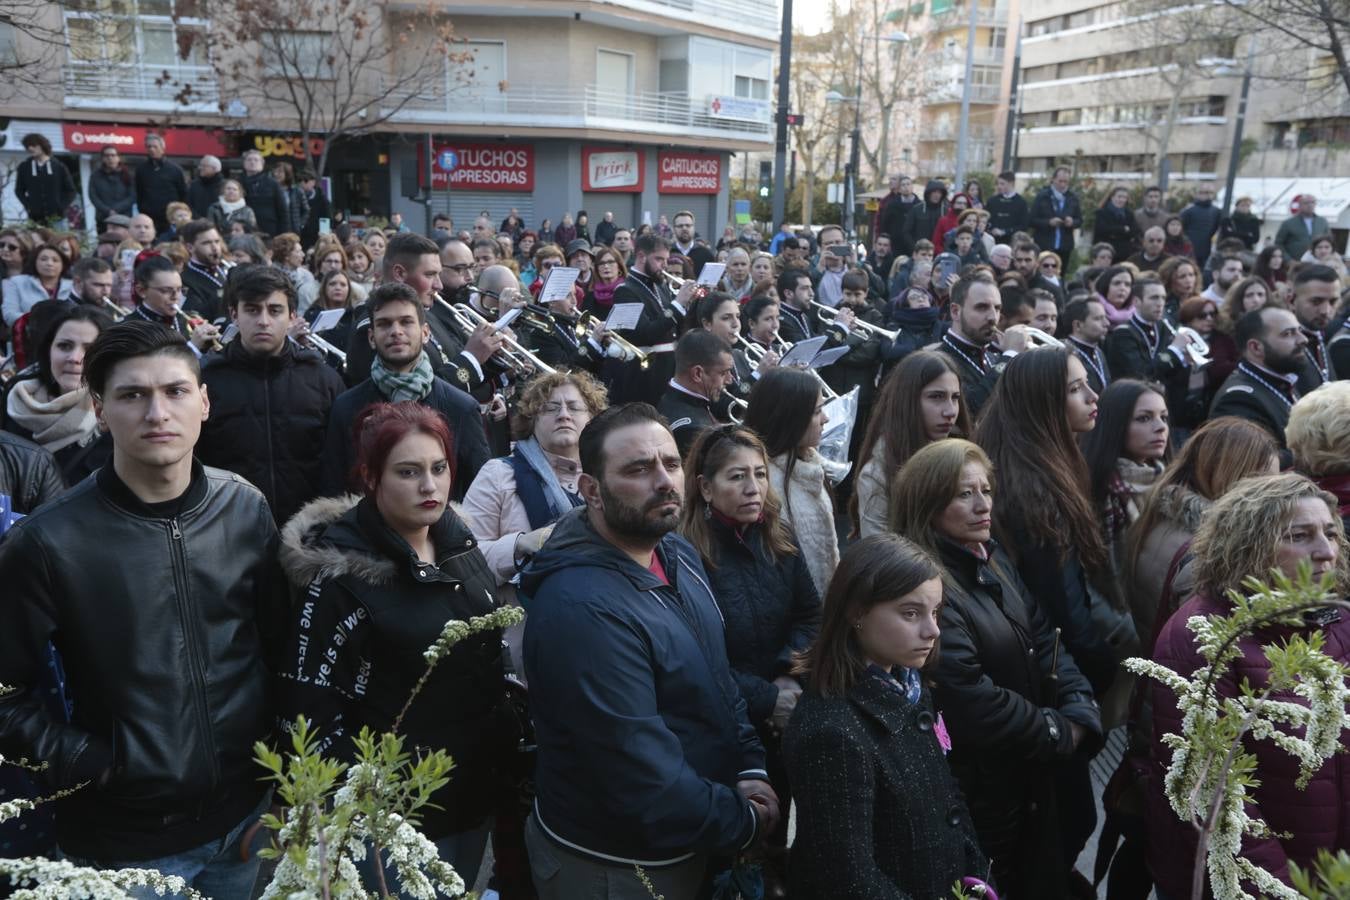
165 621
28 474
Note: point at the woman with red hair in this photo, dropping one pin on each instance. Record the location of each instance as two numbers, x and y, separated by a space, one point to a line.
377 578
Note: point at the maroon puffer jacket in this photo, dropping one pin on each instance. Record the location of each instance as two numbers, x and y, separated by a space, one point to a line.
1314 818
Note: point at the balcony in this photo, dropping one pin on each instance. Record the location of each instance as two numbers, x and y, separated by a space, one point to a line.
140 87
950 132
761 16
959 16
956 56
560 107
950 92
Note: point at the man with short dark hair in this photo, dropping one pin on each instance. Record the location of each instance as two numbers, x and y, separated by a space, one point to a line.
91 281
159 182
269 396
171 626
1150 256
1088 327
646 754
1264 386
1055 215
683 225
1227 273
1317 290
316 202
402 370
206 270
1008 210
892 212
800 318
623 245
1147 347
704 368
111 187
1024 258
922 219
658 325
1152 214
975 308
264 195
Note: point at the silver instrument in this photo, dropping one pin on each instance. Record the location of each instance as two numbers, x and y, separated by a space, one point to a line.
192 325
736 410
754 353
512 355
584 332
829 314
1197 349
327 347
116 310
1038 338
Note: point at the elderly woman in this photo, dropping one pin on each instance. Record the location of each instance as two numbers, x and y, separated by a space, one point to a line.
738 282
1272 523
289 255
514 500
1319 436
230 209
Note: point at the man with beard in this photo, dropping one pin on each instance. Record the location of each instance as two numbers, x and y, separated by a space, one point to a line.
646 754
1227 273
1264 387
1024 262
91 281
1316 291
658 325
205 273
975 309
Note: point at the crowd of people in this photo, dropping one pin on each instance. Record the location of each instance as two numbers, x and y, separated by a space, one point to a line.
250 468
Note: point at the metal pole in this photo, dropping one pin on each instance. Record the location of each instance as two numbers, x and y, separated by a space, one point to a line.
431 150
964 133
1014 104
851 173
781 139
1236 150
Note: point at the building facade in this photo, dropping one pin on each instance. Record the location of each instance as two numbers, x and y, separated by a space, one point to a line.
631 106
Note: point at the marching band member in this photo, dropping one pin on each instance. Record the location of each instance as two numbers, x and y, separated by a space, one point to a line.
703 369
658 326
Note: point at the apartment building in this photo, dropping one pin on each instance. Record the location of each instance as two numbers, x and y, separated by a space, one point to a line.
631 106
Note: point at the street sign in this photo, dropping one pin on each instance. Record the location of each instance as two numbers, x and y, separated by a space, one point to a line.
742 208
448 160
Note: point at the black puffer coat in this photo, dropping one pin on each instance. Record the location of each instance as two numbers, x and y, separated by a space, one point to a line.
366 609
1008 694
269 418
770 607
879 814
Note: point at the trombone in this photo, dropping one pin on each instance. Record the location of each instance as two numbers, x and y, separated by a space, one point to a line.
628 347
829 314
512 354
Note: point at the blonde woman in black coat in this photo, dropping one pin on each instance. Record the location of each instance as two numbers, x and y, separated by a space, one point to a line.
878 812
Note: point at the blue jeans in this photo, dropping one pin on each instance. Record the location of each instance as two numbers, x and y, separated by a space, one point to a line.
213 869
463 850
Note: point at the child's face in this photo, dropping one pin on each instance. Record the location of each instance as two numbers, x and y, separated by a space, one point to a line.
923 256
918 300
963 242
182 217
855 297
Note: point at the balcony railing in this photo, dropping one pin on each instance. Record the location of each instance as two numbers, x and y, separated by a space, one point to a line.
547 106
950 92
960 15
952 132
756 15
137 86
984 56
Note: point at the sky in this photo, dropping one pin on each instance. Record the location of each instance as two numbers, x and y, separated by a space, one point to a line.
811 16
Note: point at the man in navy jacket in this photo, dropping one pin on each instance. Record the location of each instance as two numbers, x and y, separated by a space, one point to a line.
646 754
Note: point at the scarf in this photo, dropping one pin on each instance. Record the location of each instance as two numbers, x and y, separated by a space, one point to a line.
909 684
55 424
915 320
603 292
559 500
231 206
400 386
1116 316
1127 486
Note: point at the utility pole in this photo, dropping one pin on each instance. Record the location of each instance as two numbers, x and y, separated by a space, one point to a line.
781 139
1235 152
1014 105
964 135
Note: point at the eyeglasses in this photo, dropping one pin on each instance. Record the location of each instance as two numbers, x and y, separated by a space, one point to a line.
549 264
1208 314
10 247
460 268
553 407
1049 265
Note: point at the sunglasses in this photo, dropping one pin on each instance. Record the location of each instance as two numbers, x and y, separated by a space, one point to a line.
10 247
1208 314
1049 265
549 264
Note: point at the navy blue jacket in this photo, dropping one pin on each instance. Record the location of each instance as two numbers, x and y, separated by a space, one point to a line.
641 730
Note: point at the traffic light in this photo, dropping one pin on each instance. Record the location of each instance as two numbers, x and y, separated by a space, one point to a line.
765 178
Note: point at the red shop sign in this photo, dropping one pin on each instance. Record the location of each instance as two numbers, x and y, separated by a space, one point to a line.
689 173
478 167
609 170
131 139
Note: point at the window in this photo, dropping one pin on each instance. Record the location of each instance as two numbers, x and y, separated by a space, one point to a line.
9 51
614 71
296 52
475 81
156 34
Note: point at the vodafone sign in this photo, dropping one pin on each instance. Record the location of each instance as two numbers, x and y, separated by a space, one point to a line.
689 173
616 171
478 167
131 139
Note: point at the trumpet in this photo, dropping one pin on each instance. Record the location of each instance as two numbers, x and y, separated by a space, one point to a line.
192 323
829 314
754 353
320 344
629 348
512 355
1038 338
1197 349
117 312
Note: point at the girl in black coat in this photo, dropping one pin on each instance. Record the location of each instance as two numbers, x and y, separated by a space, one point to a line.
761 582
1021 715
878 812
378 578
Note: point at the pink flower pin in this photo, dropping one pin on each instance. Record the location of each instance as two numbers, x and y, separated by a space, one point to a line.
944 739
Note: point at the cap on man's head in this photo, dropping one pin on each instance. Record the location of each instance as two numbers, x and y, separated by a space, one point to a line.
118 219
577 245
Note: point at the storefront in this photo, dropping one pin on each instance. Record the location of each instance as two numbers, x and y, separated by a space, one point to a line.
357 172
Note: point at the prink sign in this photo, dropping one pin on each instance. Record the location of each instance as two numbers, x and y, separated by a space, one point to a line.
615 171
478 167
689 173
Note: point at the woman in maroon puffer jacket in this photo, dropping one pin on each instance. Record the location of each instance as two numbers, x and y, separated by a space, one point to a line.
1270 522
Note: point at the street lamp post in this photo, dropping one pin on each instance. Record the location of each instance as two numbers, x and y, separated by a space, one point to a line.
855 136
964 133
1240 120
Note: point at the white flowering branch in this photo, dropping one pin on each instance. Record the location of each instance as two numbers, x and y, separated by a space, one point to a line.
1211 771
48 879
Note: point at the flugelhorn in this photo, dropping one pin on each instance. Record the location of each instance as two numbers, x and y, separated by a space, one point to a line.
327 347
829 314
1197 348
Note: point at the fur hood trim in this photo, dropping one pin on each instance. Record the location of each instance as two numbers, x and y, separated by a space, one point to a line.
1182 506
306 555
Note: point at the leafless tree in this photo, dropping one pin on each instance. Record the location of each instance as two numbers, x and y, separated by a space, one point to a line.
817 68
32 46
892 75
1320 28
333 69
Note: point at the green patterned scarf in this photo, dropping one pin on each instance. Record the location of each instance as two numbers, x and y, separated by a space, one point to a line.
400 386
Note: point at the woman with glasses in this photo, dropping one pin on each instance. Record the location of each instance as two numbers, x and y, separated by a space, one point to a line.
763 588
1047 263
610 272
1203 315
547 258
14 247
